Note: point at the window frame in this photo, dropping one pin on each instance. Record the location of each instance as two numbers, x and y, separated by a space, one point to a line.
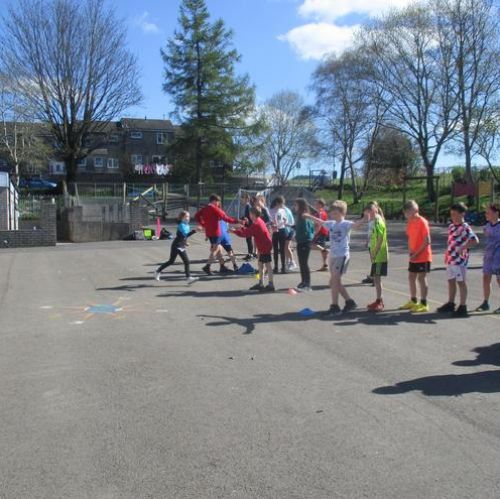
136 135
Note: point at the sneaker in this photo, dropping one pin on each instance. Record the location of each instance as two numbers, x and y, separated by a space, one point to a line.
207 270
235 268
190 280
460 312
323 268
447 307
224 270
484 307
333 310
257 287
304 289
367 280
497 311
420 308
376 306
157 276
300 286
275 270
247 258
410 305
269 288
349 305
283 270
293 266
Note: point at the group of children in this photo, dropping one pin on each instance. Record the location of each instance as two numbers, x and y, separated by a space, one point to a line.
269 233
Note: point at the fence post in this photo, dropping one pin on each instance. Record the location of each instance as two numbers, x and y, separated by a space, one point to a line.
124 193
164 197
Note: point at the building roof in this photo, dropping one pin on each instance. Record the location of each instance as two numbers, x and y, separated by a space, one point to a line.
147 124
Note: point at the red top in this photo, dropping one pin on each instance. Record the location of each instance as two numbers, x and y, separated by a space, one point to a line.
209 217
323 231
418 231
260 233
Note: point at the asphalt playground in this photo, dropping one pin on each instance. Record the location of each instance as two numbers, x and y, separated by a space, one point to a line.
115 386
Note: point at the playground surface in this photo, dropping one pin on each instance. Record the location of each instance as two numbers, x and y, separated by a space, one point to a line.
118 386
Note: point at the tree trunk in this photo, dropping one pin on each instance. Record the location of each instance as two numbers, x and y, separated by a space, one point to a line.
342 177
199 159
70 163
431 191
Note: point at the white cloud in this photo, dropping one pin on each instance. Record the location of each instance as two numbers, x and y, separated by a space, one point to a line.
148 27
315 40
331 10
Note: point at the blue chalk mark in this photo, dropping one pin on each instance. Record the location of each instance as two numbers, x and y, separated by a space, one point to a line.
103 309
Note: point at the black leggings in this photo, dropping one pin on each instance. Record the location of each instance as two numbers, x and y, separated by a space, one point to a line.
250 245
303 250
279 240
174 252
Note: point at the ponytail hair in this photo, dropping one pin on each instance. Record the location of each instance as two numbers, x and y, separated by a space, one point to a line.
374 206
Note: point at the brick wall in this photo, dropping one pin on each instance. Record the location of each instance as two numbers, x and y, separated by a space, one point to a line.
44 235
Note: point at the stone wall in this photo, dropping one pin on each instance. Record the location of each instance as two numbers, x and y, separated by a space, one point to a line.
44 232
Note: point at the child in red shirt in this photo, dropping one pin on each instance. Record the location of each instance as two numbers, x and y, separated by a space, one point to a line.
209 217
258 230
420 253
321 235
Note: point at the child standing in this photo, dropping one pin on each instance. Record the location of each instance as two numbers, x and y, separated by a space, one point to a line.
304 233
258 230
491 261
279 228
321 235
379 252
247 203
290 235
420 252
460 239
179 247
209 217
340 233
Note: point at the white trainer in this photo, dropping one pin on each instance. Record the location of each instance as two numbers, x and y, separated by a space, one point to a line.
157 276
190 280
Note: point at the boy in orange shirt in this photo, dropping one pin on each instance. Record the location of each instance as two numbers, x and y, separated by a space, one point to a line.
420 253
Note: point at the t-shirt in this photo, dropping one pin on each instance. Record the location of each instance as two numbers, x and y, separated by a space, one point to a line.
340 235
492 234
225 239
458 235
418 232
379 232
279 217
304 230
323 231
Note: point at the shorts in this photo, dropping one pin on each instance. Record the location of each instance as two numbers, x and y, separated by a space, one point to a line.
227 247
491 264
291 235
419 267
215 240
339 264
456 272
265 258
378 269
320 240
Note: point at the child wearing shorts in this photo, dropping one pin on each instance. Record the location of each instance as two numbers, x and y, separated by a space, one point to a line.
491 261
379 252
460 239
340 232
225 242
420 254
258 230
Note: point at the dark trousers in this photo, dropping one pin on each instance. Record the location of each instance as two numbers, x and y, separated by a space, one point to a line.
250 245
279 239
303 250
174 252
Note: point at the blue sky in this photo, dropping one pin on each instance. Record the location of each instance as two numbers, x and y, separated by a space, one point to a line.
280 41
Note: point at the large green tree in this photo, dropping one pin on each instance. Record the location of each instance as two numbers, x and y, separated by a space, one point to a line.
212 102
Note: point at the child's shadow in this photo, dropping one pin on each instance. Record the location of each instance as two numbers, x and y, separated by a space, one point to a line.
387 318
489 355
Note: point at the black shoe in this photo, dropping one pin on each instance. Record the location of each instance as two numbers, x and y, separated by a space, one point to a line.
207 270
248 258
257 287
349 305
224 270
447 307
484 307
275 270
367 280
333 310
300 286
269 288
283 271
460 312
235 268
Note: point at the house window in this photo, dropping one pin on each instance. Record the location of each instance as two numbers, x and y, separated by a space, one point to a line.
87 141
82 164
136 159
98 162
114 137
158 159
161 138
113 164
136 135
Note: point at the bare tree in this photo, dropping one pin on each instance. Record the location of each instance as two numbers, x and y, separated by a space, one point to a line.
289 135
350 111
20 140
70 60
471 30
487 143
414 70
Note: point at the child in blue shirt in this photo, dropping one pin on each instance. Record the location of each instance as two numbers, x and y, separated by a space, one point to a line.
226 244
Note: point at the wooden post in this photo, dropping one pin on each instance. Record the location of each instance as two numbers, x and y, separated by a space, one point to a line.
164 200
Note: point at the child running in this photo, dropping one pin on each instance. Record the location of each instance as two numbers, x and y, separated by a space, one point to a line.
209 217
226 244
304 233
460 239
379 252
179 247
340 233
491 261
420 253
321 235
258 230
